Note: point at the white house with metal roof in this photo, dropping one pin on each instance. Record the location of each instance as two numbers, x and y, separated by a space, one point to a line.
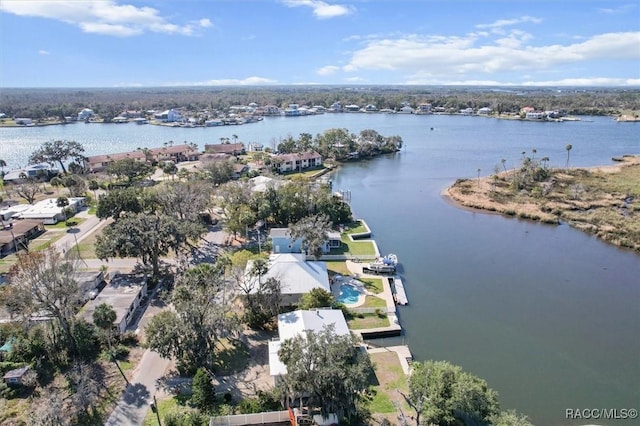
296 275
292 324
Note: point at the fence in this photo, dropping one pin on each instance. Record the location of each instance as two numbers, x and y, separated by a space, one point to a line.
251 419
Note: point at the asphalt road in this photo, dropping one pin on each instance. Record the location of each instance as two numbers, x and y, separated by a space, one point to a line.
134 402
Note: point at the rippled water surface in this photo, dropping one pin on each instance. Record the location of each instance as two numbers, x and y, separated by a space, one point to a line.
548 315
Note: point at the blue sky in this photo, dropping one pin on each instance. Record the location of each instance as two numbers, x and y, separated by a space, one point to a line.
120 43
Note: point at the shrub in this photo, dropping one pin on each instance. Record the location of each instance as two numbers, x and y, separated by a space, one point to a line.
204 395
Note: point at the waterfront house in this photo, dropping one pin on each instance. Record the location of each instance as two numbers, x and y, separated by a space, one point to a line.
406 110
234 149
296 323
283 243
296 275
534 115
168 116
423 109
297 161
175 153
466 111
34 171
335 107
124 293
24 121
269 110
484 111
352 108
85 114
256 147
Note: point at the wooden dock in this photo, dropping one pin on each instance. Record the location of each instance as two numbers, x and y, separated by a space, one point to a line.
399 295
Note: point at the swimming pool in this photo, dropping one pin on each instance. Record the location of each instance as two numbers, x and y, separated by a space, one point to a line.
348 294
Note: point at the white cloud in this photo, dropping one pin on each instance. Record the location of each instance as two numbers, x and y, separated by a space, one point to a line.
510 22
321 9
622 9
473 55
105 17
44 52
328 70
598 82
249 81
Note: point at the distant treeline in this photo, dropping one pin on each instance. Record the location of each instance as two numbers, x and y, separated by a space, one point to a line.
39 103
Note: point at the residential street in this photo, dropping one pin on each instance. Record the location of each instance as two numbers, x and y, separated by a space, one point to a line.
134 402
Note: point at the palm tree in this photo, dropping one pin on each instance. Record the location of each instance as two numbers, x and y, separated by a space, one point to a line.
103 317
503 161
568 148
94 186
479 178
3 164
63 202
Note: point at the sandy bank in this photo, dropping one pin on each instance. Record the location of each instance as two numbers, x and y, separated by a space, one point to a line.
602 200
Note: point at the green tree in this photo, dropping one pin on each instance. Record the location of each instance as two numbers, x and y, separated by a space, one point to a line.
57 183
44 281
317 298
147 236
442 393
262 298
76 185
129 169
568 148
104 317
169 168
184 200
219 171
63 202
115 203
313 230
93 186
330 368
28 190
58 151
510 418
200 319
204 394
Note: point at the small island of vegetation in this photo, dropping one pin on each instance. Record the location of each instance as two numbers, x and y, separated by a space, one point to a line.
604 201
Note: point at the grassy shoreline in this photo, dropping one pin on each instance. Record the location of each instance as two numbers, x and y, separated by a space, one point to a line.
603 201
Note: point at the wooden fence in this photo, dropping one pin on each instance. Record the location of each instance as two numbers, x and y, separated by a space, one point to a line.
271 417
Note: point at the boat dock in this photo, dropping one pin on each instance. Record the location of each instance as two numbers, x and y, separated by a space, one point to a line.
397 288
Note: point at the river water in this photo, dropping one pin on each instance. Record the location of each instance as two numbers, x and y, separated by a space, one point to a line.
548 315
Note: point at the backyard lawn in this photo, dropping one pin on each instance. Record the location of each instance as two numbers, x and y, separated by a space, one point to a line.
387 381
374 302
363 321
356 248
355 228
374 285
338 267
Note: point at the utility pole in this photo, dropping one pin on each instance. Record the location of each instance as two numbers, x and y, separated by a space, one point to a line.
154 408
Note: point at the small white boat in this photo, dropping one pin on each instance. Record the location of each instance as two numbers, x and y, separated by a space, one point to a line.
386 264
